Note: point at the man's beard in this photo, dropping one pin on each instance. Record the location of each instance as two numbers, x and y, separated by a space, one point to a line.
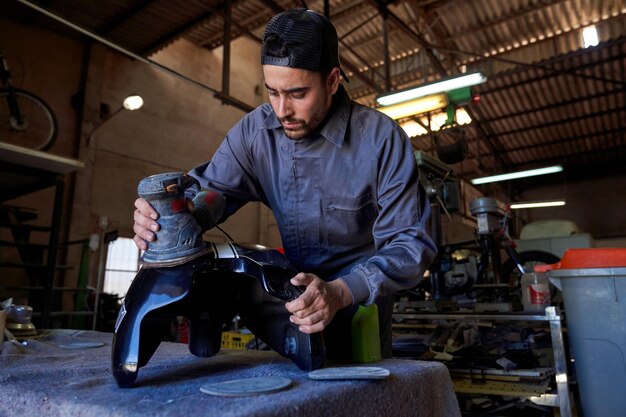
303 128
301 131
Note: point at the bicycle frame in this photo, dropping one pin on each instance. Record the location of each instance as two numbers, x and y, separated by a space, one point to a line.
17 119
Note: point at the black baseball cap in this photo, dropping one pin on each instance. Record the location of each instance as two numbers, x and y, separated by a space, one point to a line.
301 38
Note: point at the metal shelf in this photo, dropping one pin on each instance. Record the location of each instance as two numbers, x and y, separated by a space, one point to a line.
24 171
552 316
25 288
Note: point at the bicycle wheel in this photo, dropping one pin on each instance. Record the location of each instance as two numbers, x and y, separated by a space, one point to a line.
37 128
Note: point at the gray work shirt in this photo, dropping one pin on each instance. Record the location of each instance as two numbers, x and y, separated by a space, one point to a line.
346 199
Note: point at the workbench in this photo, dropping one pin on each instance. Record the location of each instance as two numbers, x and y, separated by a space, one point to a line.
43 379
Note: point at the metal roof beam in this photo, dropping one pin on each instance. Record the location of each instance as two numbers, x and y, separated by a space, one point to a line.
573 156
541 65
566 120
515 14
115 22
217 39
382 7
553 106
566 140
428 50
273 6
173 35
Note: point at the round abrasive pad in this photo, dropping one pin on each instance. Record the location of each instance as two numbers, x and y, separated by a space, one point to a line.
80 345
248 386
350 372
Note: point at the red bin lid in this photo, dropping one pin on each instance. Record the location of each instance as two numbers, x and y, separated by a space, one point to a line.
588 258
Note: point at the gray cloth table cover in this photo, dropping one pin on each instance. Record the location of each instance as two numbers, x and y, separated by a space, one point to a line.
44 380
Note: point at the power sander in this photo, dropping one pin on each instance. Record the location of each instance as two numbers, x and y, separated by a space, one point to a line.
208 283
179 238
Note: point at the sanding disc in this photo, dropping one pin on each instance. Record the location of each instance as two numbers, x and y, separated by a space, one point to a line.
248 386
80 345
350 372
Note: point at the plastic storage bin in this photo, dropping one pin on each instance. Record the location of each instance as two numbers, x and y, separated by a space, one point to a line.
593 283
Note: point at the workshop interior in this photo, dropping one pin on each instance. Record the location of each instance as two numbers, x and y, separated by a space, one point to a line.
516 112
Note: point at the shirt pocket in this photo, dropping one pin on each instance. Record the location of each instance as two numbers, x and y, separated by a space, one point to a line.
349 220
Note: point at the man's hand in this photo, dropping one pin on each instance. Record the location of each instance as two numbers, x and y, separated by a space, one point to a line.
316 307
145 223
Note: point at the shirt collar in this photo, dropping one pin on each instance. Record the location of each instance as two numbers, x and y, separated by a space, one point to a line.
335 126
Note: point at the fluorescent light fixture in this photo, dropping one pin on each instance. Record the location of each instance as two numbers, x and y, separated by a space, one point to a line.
590 36
435 120
417 106
535 204
133 102
519 174
441 86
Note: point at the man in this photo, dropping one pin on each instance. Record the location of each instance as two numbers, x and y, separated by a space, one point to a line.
340 178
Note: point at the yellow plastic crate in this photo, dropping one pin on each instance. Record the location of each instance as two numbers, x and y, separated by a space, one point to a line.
235 340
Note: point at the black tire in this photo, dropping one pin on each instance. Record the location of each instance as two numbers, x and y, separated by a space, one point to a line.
40 129
530 258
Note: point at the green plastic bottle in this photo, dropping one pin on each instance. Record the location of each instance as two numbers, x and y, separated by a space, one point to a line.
365 335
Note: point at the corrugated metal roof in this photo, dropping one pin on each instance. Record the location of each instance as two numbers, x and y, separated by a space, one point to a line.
546 99
569 109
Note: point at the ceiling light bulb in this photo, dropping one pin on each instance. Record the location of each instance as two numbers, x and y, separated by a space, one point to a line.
133 102
590 36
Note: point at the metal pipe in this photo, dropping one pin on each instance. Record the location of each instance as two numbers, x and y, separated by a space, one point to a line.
104 222
226 99
226 49
386 48
51 262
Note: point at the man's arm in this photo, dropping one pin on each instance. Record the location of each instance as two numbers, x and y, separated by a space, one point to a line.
229 173
403 248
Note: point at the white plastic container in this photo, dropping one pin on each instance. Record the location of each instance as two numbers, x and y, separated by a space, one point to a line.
535 292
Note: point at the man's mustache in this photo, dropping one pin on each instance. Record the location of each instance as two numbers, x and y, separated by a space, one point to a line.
291 120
